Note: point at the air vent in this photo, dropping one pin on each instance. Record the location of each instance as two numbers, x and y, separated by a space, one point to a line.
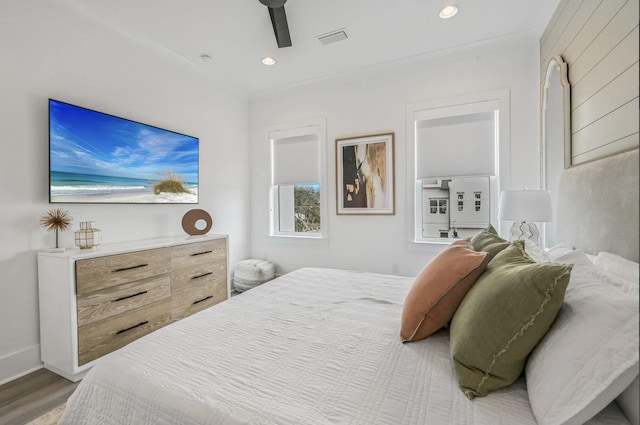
332 37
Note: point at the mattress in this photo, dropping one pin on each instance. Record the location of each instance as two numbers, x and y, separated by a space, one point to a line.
316 346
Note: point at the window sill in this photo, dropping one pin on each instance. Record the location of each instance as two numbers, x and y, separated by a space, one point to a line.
430 245
297 239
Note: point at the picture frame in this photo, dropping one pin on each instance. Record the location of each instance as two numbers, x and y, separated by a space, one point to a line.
365 183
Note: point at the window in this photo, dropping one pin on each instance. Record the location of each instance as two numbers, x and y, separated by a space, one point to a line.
454 164
299 208
298 197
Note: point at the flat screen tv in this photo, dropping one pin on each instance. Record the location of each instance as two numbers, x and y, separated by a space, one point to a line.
100 158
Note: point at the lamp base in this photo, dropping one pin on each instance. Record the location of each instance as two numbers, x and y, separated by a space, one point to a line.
524 230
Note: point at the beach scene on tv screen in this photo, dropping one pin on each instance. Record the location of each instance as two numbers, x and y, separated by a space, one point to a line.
96 157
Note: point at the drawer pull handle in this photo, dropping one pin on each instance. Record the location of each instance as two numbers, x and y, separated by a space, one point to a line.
201 253
130 296
202 275
123 269
204 299
131 327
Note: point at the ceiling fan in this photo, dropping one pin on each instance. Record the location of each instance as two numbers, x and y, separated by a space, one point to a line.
279 21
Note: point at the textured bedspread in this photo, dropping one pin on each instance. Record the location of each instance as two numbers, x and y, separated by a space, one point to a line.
316 346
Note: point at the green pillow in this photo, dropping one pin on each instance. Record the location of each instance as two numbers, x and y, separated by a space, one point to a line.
503 317
489 241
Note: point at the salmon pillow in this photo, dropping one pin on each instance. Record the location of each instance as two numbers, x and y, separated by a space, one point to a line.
439 289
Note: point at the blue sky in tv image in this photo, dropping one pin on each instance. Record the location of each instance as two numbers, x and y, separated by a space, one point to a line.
96 157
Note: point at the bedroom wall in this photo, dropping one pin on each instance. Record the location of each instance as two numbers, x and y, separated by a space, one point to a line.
50 51
373 101
599 42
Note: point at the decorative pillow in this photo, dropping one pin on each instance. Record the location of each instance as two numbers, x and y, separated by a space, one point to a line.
590 355
439 288
489 241
502 318
618 266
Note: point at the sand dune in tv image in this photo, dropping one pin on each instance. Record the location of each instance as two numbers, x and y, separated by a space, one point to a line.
99 158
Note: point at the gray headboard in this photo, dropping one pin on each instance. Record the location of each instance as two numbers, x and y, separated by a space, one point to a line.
598 206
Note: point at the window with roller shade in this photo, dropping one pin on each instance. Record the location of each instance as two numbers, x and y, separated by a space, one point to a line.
297 192
455 165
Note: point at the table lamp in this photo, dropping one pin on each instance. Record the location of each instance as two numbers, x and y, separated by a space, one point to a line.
524 207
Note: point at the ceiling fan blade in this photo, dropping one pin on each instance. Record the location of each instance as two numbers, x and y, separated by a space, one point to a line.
280 26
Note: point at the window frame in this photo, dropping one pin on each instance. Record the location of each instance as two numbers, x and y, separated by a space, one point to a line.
466 104
313 126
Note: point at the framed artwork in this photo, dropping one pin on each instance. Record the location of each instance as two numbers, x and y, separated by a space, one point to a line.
364 175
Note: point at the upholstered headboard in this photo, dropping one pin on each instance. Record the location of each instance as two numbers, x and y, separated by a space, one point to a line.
598 211
598 206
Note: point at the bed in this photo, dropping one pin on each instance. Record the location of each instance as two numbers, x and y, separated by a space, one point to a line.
319 346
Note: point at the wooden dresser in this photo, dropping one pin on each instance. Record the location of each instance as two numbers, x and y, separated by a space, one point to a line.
93 302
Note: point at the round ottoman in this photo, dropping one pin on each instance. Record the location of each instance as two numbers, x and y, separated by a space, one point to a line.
251 273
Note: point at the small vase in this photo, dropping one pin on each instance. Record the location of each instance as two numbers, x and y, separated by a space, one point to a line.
88 237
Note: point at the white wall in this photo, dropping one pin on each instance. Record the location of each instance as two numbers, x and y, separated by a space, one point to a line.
373 101
49 51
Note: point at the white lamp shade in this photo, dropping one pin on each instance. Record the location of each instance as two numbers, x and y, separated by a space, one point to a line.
525 205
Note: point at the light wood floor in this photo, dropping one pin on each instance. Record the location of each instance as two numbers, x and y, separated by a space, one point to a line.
28 397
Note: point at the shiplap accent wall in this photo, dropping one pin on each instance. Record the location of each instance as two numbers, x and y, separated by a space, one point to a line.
598 39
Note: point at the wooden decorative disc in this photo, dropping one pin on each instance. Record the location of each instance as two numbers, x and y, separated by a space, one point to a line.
190 219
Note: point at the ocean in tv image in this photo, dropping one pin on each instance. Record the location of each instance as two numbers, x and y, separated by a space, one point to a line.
100 158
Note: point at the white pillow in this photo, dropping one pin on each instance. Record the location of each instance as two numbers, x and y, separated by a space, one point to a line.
590 354
536 253
559 250
618 266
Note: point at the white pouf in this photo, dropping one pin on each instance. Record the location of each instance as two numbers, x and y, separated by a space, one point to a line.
251 273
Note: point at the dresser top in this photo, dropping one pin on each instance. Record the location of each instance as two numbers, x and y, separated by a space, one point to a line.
130 246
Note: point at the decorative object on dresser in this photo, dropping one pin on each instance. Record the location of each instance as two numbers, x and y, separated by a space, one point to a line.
196 222
95 302
524 207
56 219
89 236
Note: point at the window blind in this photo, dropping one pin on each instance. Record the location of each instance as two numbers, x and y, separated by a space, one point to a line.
459 145
296 158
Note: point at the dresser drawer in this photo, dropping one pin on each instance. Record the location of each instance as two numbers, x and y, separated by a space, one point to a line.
198 253
199 275
103 272
102 337
122 298
190 300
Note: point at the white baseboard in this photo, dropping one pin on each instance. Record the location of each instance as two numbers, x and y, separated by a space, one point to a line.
20 363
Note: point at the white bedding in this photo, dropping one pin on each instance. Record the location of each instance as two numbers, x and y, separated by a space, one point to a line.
316 346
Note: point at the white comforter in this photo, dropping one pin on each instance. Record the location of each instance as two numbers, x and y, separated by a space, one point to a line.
316 346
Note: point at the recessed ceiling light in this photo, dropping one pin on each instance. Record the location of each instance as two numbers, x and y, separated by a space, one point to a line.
448 11
205 57
268 60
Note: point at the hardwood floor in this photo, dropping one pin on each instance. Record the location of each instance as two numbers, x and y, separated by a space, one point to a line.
28 397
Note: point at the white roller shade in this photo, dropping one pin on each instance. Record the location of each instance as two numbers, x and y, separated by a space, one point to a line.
461 145
296 159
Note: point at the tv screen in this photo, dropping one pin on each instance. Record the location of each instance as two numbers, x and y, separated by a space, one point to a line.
99 158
